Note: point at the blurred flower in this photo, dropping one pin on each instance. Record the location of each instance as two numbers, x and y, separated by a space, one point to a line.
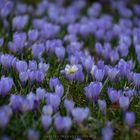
53 82
80 114
32 135
130 119
47 110
93 90
62 124
6 84
113 95
107 132
69 105
46 121
124 103
102 106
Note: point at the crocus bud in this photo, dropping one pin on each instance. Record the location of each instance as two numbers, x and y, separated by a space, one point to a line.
130 119
124 103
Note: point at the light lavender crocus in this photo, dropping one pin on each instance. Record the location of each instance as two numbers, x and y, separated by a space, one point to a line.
113 95
46 121
130 119
93 90
62 124
80 114
124 103
69 105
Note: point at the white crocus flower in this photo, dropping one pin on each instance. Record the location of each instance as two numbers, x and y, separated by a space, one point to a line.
71 69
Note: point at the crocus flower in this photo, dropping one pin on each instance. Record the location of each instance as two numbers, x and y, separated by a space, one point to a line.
19 22
99 74
33 35
7 60
136 78
32 65
102 106
80 114
54 101
124 102
130 119
62 124
107 132
23 76
53 82
88 63
70 71
6 84
69 105
1 42
93 90
37 50
112 73
46 121
40 93
39 76
113 95
5 115
60 52
47 110
32 135
59 90
21 66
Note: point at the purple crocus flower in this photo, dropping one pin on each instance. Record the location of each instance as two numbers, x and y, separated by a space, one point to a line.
124 103
19 40
79 76
53 82
37 50
80 114
113 95
69 105
39 76
98 48
32 65
40 93
130 119
124 50
93 90
3 120
62 124
6 9
46 121
23 76
15 102
19 22
47 110
33 35
43 67
88 63
136 78
21 66
99 74
32 135
6 84
5 115
54 101
60 52
7 60
59 90
102 106
107 132
112 73
1 42
70 38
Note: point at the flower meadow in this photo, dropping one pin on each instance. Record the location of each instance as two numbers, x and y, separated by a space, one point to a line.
69 69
